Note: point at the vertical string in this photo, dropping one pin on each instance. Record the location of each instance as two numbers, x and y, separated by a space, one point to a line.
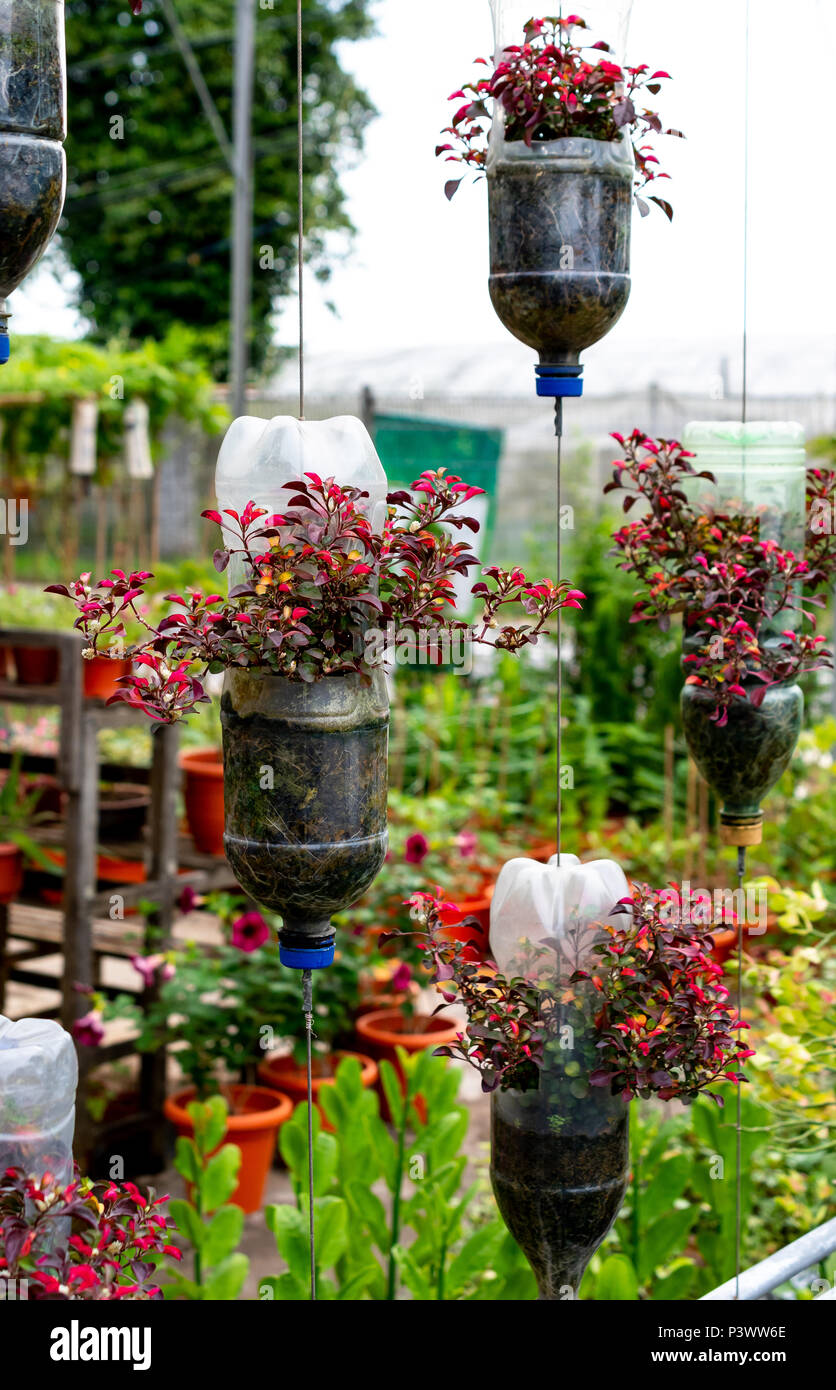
741 851
558 429
738 1202
307 1007
300 132
744 400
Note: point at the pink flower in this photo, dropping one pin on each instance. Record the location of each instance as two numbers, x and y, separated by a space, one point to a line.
416 849
467 842
250 931
88 1030
401 978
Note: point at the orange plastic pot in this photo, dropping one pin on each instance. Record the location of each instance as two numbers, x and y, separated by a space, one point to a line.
541 853
724 943
36 665
101 674
475 939
284 1074
204 797
11 872
253 1129
384 1030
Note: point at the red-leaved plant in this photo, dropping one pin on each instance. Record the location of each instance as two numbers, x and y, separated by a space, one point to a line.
547 88
652 1017
316 579
82 1241
714 569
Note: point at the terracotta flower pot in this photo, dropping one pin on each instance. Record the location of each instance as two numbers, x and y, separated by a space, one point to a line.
725 943
36 665
254 1130
475 940
11 872
204 796
384 1030
284 1074
101 674
123 811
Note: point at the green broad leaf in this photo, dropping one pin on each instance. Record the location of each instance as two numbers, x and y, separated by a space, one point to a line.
330 1229
215 1126
475 1255
664 1239
182 1288
385 1150
283 1288
413 1277
370 1210
222 1235
666 1185
443 1141
290 1227
677 1285
227 1280
616 1282
220 1177
293 1143
186 1159
393 1091
358 1283
187 1221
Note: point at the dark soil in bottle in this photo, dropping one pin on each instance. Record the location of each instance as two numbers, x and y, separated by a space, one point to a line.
558 1192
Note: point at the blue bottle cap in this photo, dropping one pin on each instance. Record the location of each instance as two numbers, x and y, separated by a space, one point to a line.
306 957
4 346
559 381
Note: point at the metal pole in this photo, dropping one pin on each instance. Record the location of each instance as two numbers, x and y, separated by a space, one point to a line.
242 204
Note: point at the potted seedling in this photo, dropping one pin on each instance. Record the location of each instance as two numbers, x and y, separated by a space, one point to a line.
220 1010
748 609
561 131
18 815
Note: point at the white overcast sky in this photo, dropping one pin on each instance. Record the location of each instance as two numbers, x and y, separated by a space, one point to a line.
417 273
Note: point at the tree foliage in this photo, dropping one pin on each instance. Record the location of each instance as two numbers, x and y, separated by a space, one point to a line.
147 218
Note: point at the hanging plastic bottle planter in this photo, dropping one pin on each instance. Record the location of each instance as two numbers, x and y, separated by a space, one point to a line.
559 1152
38 1078
305 766
32 128
759 472
562 169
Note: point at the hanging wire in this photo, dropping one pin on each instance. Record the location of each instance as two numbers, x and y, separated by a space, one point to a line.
300 132
741 850
741 870
307 975
558 429
307 1007
744 400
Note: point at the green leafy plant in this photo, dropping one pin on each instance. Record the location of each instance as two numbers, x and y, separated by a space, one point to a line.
225 1007
551 85
425 1234
18 814
206 1219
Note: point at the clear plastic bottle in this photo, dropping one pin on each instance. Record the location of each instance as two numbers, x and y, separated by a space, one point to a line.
607 19
38 1078
257 457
